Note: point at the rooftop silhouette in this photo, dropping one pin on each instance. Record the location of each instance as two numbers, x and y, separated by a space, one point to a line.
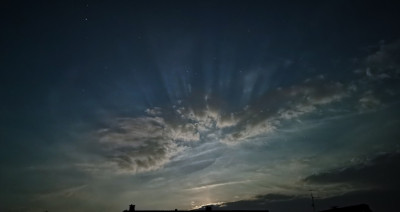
206 208
352 208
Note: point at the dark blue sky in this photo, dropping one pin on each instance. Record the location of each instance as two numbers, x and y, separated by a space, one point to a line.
240 104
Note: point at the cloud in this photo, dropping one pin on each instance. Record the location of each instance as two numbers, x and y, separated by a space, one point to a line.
266 114
263 115
272 202
64 193
377 200
373 181
380 171
379 74
144 143
214 185
150 141
384 63
153 111
369 101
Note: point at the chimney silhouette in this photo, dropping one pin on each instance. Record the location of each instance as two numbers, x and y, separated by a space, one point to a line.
131 208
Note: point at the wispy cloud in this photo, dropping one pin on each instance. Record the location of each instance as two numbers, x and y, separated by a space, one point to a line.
150 141
64 193
214 185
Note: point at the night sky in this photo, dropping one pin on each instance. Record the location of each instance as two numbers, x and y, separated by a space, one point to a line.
181 104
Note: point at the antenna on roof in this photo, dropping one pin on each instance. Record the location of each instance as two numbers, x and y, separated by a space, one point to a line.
312 201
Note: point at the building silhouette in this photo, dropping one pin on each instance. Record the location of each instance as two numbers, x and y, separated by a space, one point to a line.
353 208
131 208
206 208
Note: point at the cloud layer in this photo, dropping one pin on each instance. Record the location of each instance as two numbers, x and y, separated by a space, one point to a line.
376 180
148 142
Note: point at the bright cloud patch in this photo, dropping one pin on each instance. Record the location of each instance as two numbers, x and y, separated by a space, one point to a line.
150 141
138 144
